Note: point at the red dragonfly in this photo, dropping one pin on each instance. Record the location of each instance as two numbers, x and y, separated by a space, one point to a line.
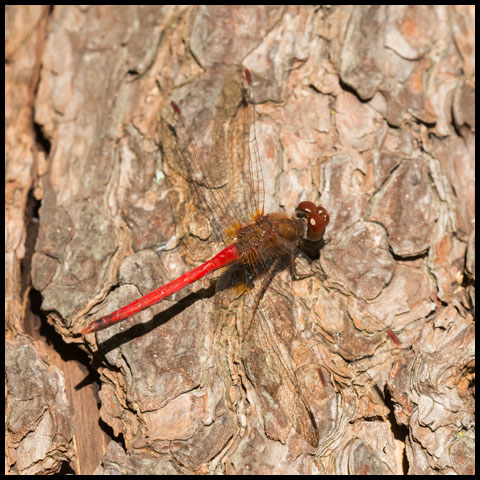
274 355
260 243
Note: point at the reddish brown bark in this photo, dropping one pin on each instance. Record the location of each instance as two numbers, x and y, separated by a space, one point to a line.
370 110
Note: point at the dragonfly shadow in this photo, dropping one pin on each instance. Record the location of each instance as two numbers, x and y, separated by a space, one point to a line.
161 318
233 276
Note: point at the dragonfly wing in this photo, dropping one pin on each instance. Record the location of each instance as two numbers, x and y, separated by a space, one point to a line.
273 352
224 175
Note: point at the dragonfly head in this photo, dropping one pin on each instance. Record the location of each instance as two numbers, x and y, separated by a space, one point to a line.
316 219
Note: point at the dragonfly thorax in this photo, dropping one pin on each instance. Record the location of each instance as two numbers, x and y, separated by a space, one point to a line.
275 233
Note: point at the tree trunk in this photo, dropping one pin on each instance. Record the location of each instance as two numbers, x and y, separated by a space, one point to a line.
365 366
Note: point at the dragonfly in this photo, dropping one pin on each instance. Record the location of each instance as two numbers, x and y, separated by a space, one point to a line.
259 246
261 243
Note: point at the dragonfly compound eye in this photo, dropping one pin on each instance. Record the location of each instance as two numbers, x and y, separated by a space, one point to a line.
315 226
304 208
324 214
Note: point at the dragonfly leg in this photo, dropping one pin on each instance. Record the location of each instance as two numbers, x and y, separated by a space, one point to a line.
293 269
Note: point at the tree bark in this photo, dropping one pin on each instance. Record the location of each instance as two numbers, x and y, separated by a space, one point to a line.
368 111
